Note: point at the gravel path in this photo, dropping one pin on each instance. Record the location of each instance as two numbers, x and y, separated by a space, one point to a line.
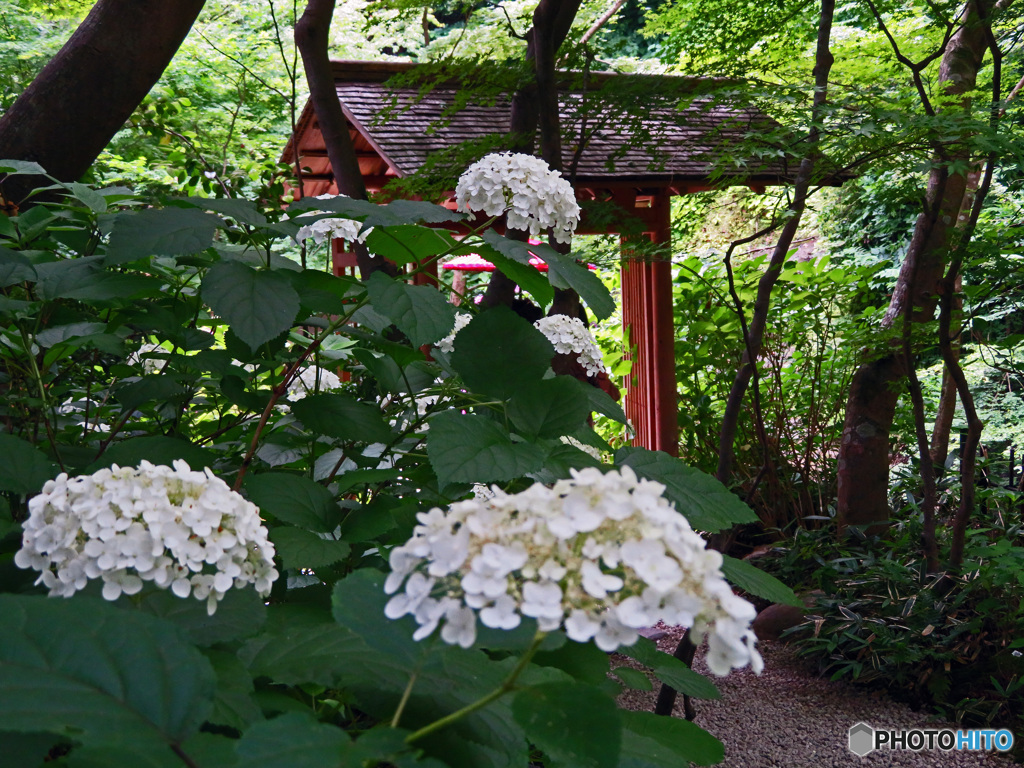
788 717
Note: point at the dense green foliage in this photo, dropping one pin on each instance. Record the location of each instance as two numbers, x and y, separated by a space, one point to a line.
181 333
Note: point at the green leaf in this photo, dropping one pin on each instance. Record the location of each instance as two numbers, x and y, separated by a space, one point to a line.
259 305
304 549
602 402
563 271
148 389
240 614
671 671
155 449
752 579
633 678
24 468
111 285
293 499
405 243
575 725
242 211
57 277
499 353
472 449
92 199
160 232
342 417
15 167
234 705
293 741
705 502
402 211
549 408
419 311
515 263
14 268
655 741
98 674
26 750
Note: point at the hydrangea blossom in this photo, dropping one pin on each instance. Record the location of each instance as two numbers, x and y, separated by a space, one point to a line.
587 449
568 335
447 344
312 379
334 227
180 529
599 555
535 197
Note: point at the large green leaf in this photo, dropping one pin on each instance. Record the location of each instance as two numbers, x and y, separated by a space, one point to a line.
98 674
499 353
342 417
293 499
304 549
563 271
54 278
574 724
671 671
516 266
472 449
655 741
705 502
234 705
240 614
24 468
602 402
421 312
156 388
404 243
160 232
259 305
752 579
294 741
156 449
549 408
242 211
14 268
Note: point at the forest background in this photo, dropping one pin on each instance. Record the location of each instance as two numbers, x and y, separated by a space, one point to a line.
216 122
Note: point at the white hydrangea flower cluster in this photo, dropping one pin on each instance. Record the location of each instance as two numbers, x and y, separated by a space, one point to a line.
587 449
144 354
306 383
334 227
600 555
569 335
183 530
447 344
536 197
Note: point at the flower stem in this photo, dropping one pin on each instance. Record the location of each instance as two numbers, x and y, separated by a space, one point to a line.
507 685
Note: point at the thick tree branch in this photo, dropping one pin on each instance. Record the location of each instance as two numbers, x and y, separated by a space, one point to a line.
87 92
312 35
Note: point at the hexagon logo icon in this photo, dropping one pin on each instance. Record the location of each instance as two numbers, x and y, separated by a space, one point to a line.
862 739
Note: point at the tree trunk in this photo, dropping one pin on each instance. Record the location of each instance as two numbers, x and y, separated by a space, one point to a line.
84 95
754 335
312 35
863 467
536 104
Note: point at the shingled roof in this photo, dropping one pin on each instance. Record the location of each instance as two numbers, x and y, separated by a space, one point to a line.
396 128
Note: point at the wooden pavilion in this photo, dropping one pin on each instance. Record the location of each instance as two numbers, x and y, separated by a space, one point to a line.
396 128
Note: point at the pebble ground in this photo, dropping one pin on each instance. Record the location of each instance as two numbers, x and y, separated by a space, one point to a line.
788 717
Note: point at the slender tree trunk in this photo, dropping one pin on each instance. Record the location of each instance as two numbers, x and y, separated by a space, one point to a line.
755 333
312 36
863 467
84 95
536 105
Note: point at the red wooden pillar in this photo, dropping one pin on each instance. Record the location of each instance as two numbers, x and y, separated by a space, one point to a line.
343 262
651 400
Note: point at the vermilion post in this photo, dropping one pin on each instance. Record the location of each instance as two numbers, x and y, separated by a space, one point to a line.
651 402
